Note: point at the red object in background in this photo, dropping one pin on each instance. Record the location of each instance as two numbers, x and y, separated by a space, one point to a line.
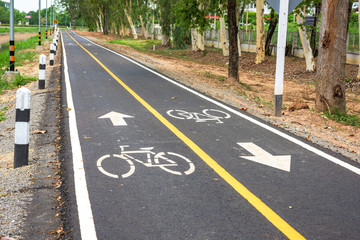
28 16
212 17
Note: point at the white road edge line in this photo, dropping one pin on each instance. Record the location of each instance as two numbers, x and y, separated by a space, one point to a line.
271 129
86 220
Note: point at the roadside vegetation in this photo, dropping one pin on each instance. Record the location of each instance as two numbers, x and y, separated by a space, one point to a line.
343 118
6 29
24 53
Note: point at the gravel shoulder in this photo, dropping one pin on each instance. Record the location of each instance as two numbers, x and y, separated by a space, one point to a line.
29 195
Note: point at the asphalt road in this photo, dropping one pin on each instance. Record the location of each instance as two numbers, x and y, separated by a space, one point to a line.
153 159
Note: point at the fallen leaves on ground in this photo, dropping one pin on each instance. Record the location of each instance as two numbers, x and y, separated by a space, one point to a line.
40 131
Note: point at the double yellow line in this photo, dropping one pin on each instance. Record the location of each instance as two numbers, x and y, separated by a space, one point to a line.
275 219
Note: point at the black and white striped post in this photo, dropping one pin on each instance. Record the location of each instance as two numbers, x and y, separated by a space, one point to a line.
55 47
22 126
52 53
42 71
56 38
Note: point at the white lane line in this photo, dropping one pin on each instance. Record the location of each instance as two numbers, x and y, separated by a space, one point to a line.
86 220
271 129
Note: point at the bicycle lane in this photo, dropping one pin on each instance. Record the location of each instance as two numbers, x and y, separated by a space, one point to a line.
314 188
150 203
295 196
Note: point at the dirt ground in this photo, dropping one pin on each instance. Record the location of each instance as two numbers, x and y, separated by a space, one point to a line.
5 37
208 73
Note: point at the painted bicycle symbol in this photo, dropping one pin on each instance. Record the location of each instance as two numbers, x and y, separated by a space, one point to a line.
206 115
168 161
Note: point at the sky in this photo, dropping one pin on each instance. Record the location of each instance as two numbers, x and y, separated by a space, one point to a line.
30 5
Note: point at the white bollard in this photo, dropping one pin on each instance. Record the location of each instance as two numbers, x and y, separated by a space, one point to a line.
52 53
54 42
42 71
57 39
22 126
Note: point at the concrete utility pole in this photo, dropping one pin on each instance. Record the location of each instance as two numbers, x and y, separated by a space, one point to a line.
54 15
46 22
50 17
12 40
39 22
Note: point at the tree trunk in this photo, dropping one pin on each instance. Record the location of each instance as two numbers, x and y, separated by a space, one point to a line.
100 24
97 26
260 32
143 30
272 26
121 29
113 28
238 43
309 57
224 45
133 30
197 40
233 47
314 29
330 84
247 18
106 20
165 41
238 20
358 76
74 23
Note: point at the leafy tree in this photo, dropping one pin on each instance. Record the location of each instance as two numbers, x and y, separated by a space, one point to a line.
73 8
4 12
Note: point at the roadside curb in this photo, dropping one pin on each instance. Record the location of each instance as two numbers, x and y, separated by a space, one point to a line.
29 196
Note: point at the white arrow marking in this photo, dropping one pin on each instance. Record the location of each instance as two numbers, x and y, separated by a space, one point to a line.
116 118
263 157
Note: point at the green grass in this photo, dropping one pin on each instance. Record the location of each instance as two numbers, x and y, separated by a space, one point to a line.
2 113
221 78
20 29
343 118
247 86
259 101
242 93
213 76
21 56
147 46
20 80
142 45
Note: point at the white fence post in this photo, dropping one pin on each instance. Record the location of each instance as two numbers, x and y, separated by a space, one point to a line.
42 71
54 42
22 126
52 53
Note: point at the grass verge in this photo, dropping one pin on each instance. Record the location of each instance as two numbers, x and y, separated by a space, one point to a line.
21 56
20 80
343 118
141 45
19 29
2 113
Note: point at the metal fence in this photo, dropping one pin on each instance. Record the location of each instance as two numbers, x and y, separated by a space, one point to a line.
293 38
